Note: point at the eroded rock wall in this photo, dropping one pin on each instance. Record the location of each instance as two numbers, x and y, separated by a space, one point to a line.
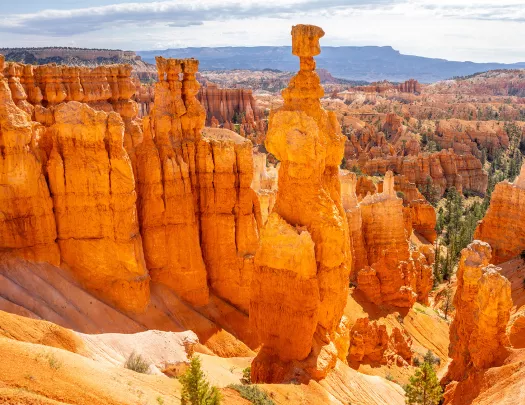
27 222
93 190
395 274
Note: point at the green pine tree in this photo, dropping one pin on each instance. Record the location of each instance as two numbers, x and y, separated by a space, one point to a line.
424 388
196 389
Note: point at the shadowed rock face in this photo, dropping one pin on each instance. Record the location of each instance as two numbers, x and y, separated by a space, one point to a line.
305 243
483 301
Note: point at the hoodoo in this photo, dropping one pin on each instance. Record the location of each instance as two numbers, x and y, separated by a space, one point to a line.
305 245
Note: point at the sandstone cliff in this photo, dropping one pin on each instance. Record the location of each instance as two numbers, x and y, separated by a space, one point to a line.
39 89
27 222
82 181
305 243
501 227
93 190
478 338
395 274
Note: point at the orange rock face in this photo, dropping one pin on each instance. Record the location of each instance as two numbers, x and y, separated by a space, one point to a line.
501 226
93 190
27 223
305 243
370 343
264 184
38 89
229 214
483 301
355 221
167 180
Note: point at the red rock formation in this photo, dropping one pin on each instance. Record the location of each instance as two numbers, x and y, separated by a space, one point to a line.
364 186
445 168
501 226
478 338
224 104
106 88
264 183
305 243
410 86
27 223
355 221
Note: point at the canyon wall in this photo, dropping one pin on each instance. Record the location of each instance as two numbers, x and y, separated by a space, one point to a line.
227 104
27 223
501 227
304 245
117 200
445 168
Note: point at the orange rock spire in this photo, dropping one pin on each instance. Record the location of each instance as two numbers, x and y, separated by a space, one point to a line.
166 177
483 301
305 244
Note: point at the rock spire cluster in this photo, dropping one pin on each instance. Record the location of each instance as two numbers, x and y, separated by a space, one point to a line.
87 188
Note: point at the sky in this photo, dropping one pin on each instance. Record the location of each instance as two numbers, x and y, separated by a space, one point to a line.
474 30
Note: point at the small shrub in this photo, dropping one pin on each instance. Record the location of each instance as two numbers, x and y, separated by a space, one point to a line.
416 361
160 400
196 389
54 363
253 394
247 375
137 363
430 358
390 377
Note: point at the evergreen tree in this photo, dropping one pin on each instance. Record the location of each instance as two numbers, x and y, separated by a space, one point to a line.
448 299
196 389
424 388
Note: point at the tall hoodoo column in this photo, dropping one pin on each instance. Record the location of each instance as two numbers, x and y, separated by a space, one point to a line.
305 246
166 180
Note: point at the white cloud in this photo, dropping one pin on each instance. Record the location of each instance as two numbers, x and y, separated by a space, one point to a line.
477 30
175 13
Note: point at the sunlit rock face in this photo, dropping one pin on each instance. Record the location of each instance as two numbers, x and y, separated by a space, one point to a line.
483 301
305 245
